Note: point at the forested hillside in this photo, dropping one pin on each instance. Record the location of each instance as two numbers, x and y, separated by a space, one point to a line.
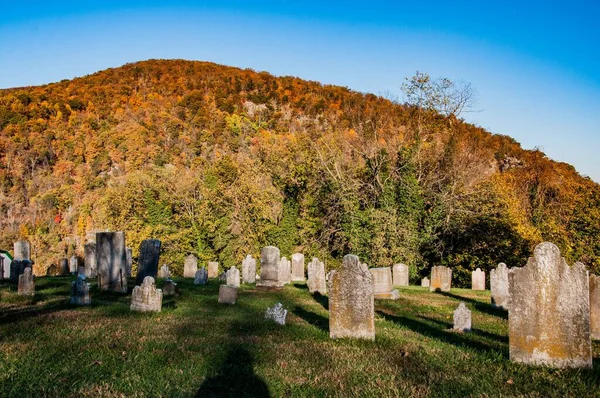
220 161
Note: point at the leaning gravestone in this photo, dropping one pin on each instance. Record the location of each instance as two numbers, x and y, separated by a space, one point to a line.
89 259
169 288
441 279
382 284
351 303
201 277
233 277
190 266
129 263
462 318
26 285
249 269
269 268
425 282
298 267
316 277
148 260
285 271
478 280
63 264
400 275
110 261
227 294
146 297
549 311
163 272
499 286
595 307
213 269
73 264
277 313
80 291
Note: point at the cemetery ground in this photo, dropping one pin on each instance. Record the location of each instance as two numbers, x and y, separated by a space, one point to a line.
197 347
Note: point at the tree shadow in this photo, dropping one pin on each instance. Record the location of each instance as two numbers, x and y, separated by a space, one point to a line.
479 306
23 313
312 318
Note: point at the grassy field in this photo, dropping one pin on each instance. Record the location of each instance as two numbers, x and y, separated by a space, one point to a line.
197 347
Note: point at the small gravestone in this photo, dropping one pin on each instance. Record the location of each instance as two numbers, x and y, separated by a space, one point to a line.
129 262
201 277
89 259
213 269
53 270
595 307
227 294
285 271
190 266
63 264
22 251
269 268
400 275
73 264
26 285
169 288
249 269
499 286
462 318
233 277
425 282
110 261
298 267
441 279
316 277
382 284
163 272
80 291
148 260
277 313
549 311
146 297
351 304
478 280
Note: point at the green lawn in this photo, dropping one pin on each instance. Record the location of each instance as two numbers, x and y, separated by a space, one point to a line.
197 347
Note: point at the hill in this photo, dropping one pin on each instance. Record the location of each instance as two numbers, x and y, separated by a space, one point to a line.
221 161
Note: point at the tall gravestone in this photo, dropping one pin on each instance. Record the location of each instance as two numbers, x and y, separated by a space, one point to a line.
233 277
190 266
213 269
400 275
146 297
351 303
499 286
249 269
269 268
89 259
129 263
21 260
316 277
285 271
80 291
382 284
549 311
478 280
595 307
73 264
110 261
63 264
441 279
22 250
201 276
26 285
148 260
298 267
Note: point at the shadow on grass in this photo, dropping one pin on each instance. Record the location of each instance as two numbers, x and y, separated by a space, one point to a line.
479 306
323 300
478 332
24 313
312 318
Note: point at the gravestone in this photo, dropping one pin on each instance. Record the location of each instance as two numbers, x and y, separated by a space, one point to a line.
110 261
201 277
316 277
400 275
227 294
351 303
148 260
22 250
129 263
80 270
595 307
26 285
146 297
89 259
277 313
80 291
17 267
53 270
233 277
382 284
73 264
190 266
549 311
285 271
269 268
478 280
163 272
462 318
298 267
249 269
441 279
425 282
499 286
213 269
63 264
169 288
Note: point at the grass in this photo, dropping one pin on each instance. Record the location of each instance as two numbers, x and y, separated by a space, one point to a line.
197 347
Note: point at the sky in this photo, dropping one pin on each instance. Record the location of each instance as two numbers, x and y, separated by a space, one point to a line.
535 66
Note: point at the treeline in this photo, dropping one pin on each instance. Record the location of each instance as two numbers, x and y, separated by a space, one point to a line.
220 161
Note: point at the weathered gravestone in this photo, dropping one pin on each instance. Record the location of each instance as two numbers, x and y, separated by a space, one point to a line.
129 263
425 282
499 286
89 259
298 267
351 303
73 264
285 270
249 269
26 285
213 269
277 314
80 291
382 284
462 318
190 266
169 288
316 277
201 277
595 307
148 260
269 268
63 264
478 280
146 297
233 277
400 275
441 279
110 261
163 272
549 311
21 260
227 294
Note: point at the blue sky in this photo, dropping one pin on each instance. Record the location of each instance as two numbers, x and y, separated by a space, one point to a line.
536 66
